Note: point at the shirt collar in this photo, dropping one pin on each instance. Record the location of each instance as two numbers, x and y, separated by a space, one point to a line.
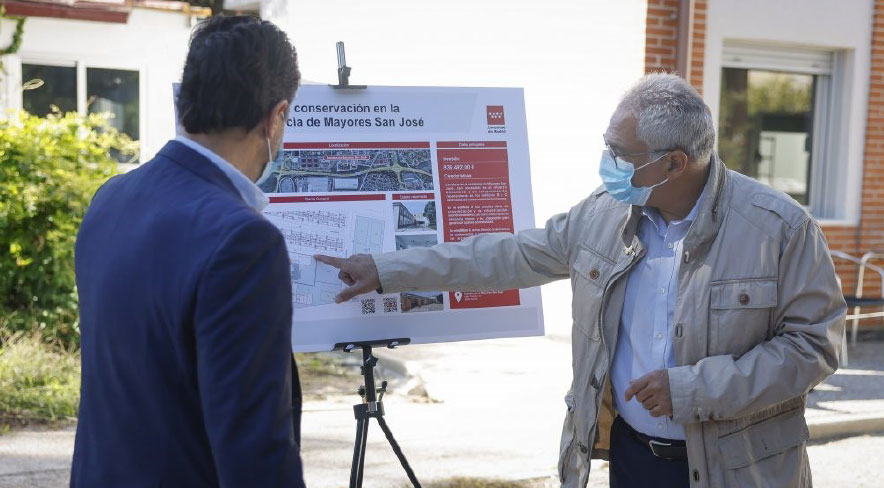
692 216
248 190
660 225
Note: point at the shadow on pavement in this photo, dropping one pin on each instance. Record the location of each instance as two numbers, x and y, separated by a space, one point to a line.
861 380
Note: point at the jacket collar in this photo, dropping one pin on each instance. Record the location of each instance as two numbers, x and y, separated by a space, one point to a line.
711 213
250 192
198 164
708 219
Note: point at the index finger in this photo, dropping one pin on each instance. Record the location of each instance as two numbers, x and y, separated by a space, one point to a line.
329 260
350 292
635 386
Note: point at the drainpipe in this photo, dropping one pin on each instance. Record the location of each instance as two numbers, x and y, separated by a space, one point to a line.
685 41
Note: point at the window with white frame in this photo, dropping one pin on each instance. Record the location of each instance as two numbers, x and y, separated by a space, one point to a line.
84 89
775 115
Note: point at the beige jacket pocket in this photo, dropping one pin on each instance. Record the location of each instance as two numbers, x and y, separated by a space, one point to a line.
754 456
741 312
590 274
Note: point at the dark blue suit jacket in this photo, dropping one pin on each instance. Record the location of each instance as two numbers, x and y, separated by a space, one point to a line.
185 309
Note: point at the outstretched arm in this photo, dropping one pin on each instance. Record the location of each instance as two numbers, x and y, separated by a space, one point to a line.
498 261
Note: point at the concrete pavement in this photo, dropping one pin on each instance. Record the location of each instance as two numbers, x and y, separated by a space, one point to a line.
494 410
36 458
851 401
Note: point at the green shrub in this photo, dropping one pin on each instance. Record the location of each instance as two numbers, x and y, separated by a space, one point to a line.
39 381
49 169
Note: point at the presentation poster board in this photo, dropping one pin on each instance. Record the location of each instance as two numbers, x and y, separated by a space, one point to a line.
388 168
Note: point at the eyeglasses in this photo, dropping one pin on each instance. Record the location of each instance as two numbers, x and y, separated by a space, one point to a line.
615 156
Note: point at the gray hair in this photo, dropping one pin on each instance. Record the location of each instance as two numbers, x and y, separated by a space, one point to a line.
671 114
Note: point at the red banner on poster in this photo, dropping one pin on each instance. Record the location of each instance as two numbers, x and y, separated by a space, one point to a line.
329 198
356 145
475 189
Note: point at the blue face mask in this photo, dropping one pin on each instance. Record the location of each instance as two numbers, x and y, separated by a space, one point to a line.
617 177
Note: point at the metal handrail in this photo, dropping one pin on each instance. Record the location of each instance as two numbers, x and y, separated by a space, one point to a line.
862 265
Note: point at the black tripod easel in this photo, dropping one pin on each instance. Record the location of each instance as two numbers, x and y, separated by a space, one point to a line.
372 407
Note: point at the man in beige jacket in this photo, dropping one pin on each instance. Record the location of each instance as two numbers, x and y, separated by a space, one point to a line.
705 305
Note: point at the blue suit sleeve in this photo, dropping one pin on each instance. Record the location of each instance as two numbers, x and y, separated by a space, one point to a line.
244 359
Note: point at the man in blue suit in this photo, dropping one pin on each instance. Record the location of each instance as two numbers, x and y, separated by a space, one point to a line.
185 292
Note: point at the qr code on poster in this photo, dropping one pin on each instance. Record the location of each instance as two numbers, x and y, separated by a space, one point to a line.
391 304
368 306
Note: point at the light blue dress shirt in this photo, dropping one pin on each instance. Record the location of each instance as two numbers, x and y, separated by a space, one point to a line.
644 342
249 191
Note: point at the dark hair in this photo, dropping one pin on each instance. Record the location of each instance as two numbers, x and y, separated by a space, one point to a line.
238 68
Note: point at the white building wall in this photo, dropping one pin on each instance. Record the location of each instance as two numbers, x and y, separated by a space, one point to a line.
574 60
838 25
153 42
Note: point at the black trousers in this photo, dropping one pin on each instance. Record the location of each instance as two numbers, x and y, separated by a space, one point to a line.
633 465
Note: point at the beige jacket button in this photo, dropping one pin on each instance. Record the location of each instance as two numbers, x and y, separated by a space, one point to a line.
744 299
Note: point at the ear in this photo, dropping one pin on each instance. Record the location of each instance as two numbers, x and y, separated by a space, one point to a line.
677 163
275 120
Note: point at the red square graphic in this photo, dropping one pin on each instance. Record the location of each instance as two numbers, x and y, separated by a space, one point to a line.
495 115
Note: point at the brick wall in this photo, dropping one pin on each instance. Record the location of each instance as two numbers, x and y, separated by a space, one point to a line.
661 35
661 39
871 224
661 52
870 233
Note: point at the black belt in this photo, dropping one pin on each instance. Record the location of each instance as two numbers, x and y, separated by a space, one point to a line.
668 449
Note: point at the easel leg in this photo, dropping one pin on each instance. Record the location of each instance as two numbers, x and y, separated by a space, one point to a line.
358 465
399 453
372 407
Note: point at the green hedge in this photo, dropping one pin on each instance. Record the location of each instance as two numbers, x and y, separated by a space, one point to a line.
49 169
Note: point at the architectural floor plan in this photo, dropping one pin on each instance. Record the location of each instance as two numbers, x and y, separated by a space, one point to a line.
335 232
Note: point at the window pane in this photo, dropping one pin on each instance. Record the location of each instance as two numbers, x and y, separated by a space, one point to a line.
114 91
59 88
766 125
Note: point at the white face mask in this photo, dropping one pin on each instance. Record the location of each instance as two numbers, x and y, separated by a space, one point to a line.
271 163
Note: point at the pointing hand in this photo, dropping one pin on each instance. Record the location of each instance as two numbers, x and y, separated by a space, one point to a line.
358 272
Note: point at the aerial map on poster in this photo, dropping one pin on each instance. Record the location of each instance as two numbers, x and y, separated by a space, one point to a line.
388 168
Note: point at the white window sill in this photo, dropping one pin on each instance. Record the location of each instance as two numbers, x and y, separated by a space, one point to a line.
836 223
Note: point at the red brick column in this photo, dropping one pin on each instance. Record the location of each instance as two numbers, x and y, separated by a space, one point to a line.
661 39
661 35
698 46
